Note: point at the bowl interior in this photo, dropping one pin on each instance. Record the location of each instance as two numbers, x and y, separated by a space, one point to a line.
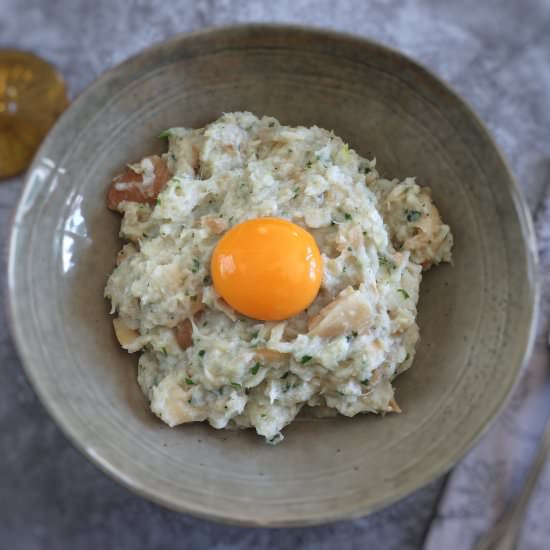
65 241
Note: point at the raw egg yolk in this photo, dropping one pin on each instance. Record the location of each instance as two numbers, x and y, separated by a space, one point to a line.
267 268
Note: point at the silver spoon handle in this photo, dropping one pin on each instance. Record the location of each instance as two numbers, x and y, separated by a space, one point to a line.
505 534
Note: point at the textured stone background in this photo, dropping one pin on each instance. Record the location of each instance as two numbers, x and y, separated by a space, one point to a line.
495 53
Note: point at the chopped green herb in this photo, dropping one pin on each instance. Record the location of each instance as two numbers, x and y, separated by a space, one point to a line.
254 370
350 249
196 265
386 262
254 335
166 133
364 169
201 353
347 216
164 351
365 382
236 385
308 164
207 280
406 357
332 222
271 124
354 334
190 401
413 215
263 415
305 359
194 298
317 157
404 293
189 382
158 201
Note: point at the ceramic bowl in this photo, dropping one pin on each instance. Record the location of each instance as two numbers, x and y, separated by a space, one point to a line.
476 316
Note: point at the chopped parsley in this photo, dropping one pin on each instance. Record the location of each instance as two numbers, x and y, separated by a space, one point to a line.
271 124
404 293
158 201
164 351
201 353
236 385
350 249
207 280
285 375
386 262
189 382
305 359
365 382
308 164
413 215
255 368
166 133
347 215
364 169
263 415
196 265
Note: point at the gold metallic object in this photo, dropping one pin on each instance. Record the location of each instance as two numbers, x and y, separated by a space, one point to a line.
32 96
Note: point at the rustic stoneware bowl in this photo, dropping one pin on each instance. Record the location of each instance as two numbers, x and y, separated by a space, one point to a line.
476 316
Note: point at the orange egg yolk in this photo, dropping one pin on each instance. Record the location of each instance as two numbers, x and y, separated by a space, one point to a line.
267 268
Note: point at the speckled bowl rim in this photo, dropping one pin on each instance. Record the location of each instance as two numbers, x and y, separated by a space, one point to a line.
439 468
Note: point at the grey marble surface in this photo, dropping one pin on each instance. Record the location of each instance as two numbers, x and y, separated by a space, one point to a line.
495 53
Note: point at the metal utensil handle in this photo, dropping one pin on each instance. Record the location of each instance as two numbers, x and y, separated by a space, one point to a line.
505 534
